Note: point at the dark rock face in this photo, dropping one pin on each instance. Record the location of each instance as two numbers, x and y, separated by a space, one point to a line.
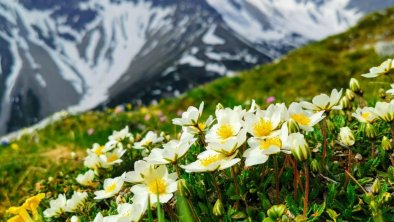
82 54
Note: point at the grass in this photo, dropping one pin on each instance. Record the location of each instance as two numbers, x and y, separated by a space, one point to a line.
303 73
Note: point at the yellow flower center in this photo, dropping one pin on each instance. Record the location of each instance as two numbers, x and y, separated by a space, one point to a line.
201 126
265 144
148 142
110 188
99 150
157 186
112 157
225 131
263 128
211 159
365 115
301 119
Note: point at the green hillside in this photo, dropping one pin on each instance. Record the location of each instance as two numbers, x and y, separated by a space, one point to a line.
27 163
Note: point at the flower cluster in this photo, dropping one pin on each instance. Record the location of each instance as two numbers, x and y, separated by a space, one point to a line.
233 138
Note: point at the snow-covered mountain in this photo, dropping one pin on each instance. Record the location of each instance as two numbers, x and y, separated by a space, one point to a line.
80 54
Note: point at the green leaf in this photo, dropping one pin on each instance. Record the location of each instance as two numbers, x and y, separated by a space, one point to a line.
160 212
350 194
150 217
332 214
184 209
292 206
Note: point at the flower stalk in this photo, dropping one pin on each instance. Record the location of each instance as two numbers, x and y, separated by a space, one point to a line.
306 197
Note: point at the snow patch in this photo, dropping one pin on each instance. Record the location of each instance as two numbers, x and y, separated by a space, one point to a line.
191 60
211 39
217 68
41 80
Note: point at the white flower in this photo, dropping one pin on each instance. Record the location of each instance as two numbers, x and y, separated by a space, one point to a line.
391 91
86 179
382 69
229 123
305 119
173 150
111 158
277 108
385 111
210 160
56 207
126 213
190 117
365 115
111 187
200 127
157 185
262 123
75 219
346 136
76 201
253 107
261 148
120 135
298 146
99 217
96 150
230 146
92 162
324 102
141 168
150 139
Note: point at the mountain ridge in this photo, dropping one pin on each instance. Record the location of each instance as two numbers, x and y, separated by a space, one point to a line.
88 53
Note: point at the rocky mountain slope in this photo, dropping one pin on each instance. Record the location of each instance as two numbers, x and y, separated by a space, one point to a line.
80 54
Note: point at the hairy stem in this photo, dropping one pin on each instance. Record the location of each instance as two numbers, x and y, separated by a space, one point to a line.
354 179
216 184
306 197
276 179
295 179
324 132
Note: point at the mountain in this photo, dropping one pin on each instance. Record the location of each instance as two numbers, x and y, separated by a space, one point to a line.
318 67
81 54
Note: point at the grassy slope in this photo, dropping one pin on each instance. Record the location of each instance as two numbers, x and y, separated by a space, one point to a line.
307 71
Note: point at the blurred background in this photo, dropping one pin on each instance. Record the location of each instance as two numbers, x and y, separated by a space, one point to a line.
79 55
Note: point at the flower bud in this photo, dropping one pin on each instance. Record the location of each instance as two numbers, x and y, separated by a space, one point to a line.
358 157
386 143
298 146
219 106
276 211
370 131
75 219
315 166
345 103
382 93
346 136
218 209
350 94
375 188
293 126
354 85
